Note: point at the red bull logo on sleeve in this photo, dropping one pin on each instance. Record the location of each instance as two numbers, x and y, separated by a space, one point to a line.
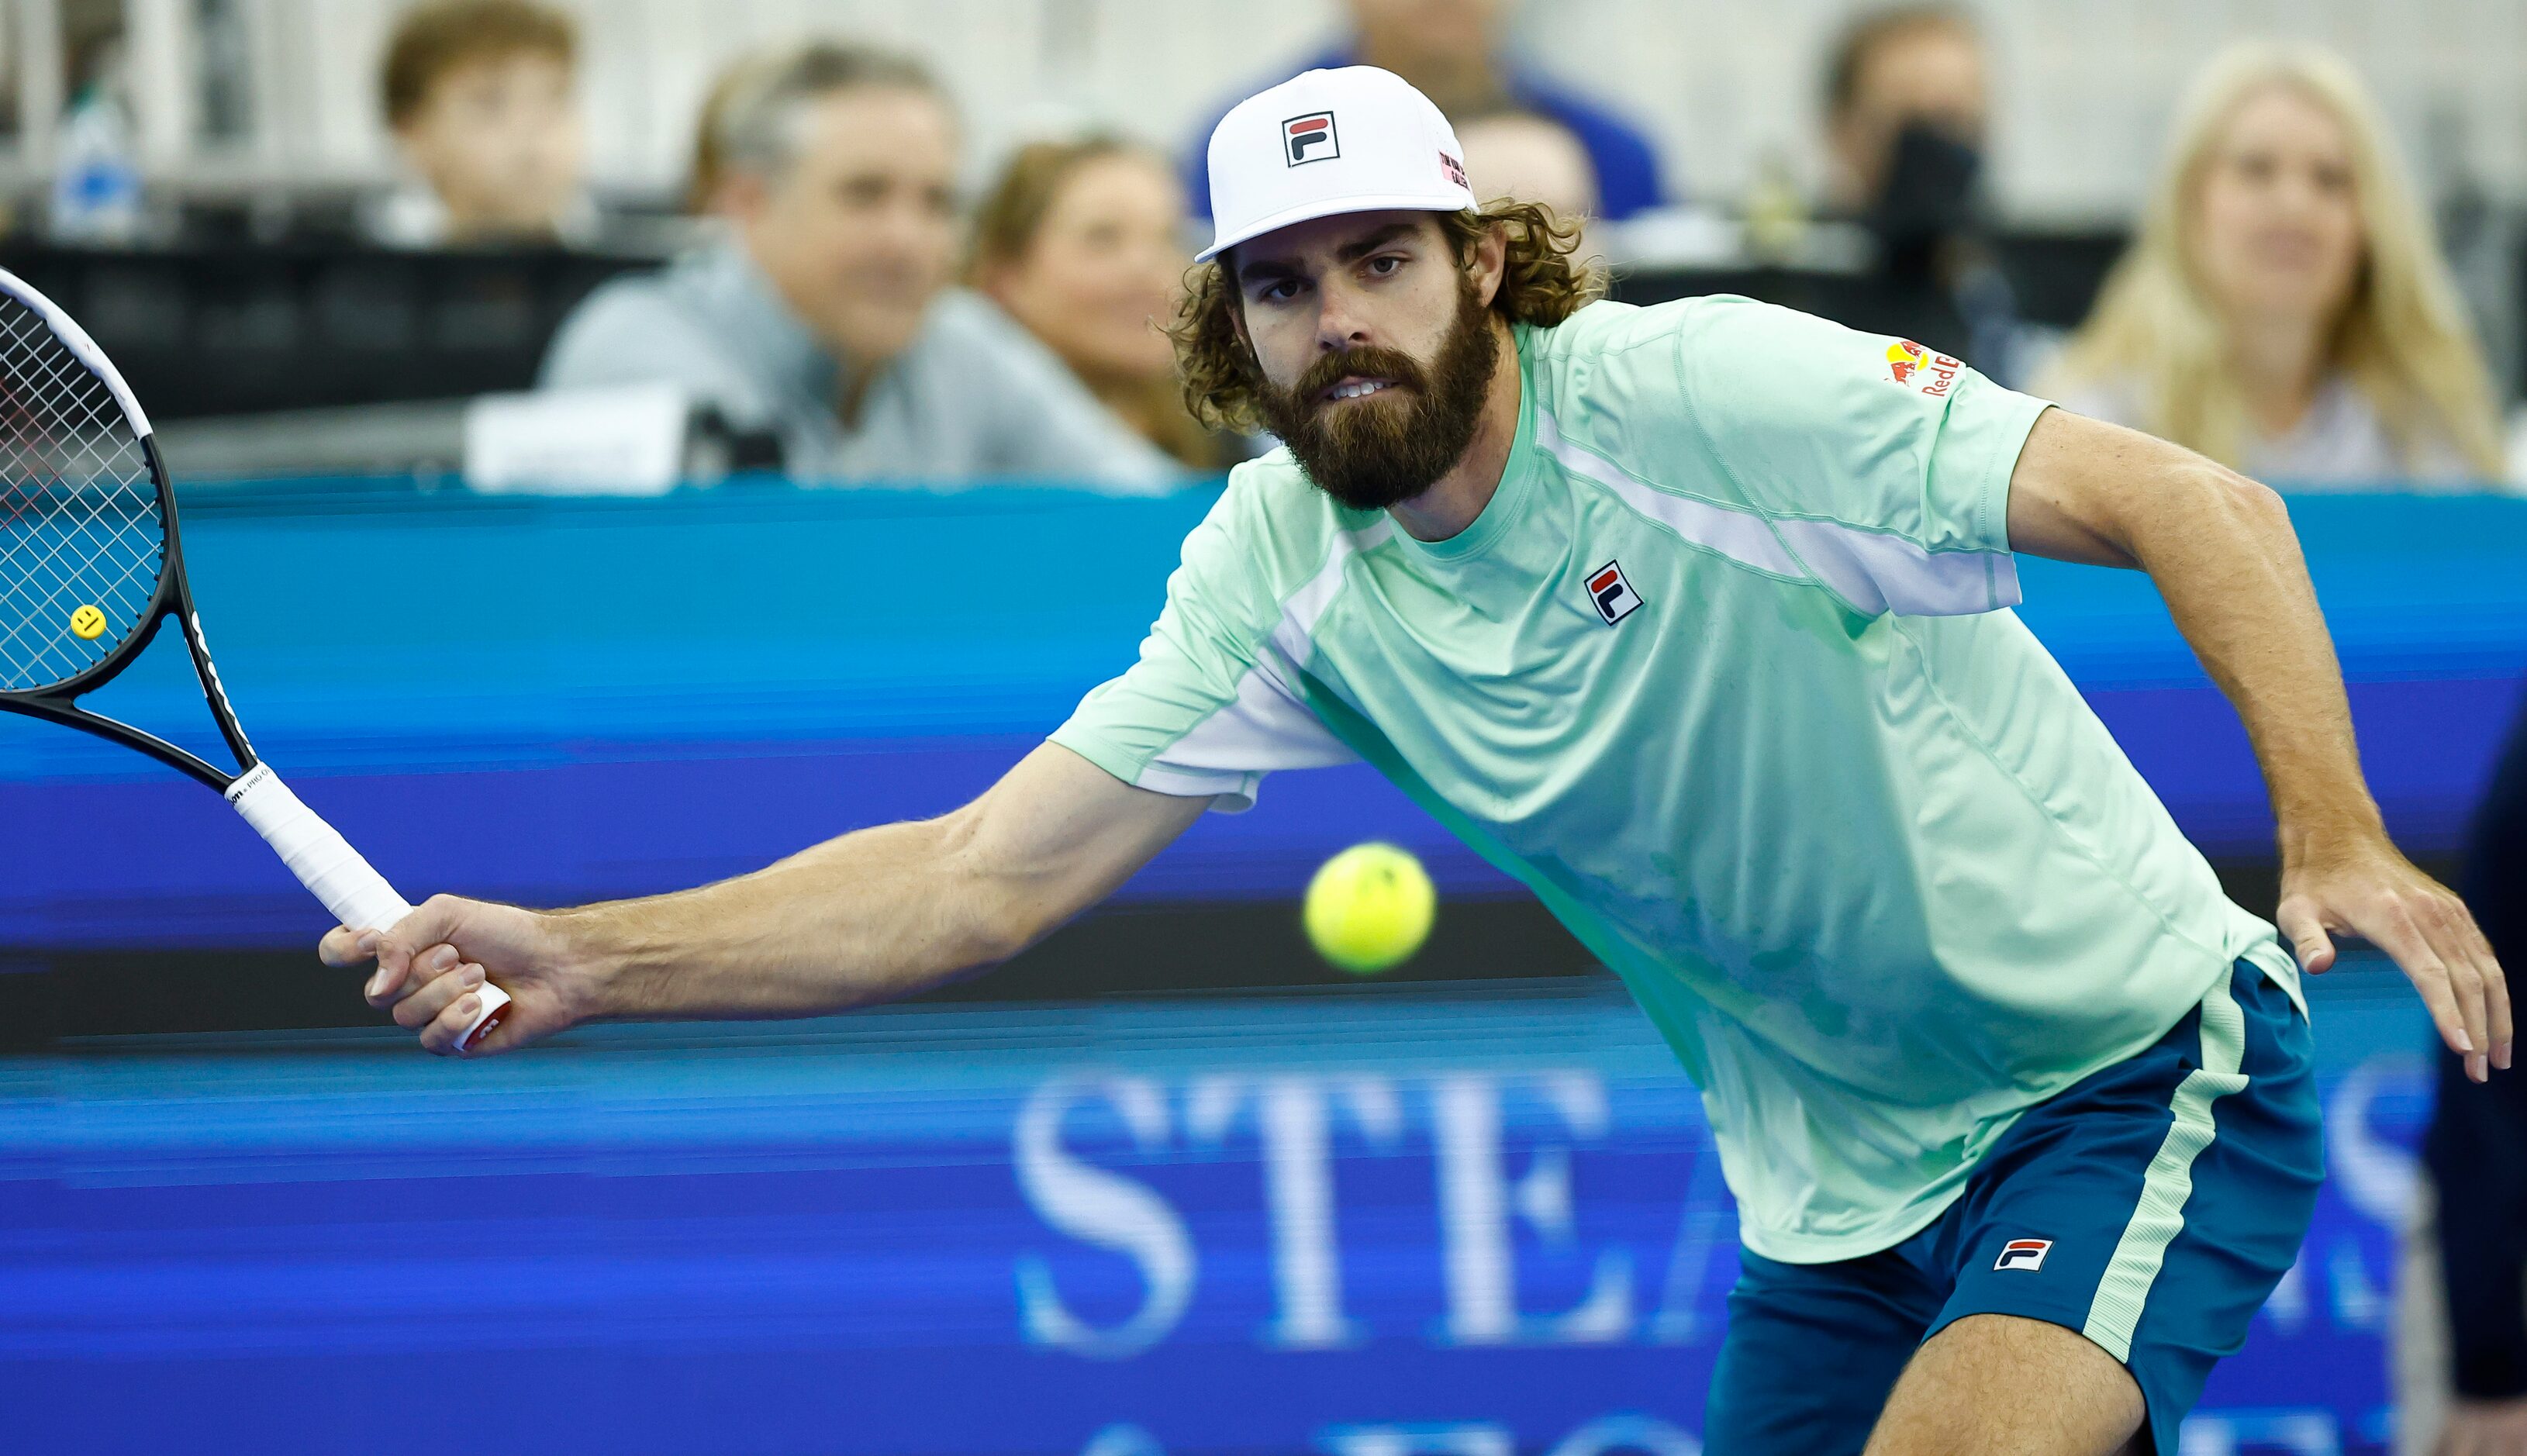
1917 368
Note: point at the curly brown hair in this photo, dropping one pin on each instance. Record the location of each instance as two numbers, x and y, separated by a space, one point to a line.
1541 283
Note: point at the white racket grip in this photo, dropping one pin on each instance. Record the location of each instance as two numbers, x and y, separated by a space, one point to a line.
326 863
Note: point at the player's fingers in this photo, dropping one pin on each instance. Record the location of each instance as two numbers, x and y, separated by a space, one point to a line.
444 1032
2395 934
344 946
433 923
2468 940
419 971
2465 982
422 1007
2298 920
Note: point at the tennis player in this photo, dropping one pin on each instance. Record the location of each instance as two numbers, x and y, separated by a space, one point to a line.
1696 619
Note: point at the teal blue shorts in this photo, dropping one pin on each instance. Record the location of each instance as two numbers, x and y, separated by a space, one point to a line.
2151 1206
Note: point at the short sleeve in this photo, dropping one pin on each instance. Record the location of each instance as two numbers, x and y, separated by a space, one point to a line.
1213 704
1884 465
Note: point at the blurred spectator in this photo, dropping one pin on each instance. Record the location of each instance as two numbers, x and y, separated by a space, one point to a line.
1453 51
2286 309
1906 116
482 100
1529 156
825 317
1896 70
1082 242
2461 1346
706 174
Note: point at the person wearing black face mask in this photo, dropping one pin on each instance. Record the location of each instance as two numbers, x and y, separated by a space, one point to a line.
1906 112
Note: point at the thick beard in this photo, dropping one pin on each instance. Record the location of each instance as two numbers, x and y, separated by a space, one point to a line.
1371 454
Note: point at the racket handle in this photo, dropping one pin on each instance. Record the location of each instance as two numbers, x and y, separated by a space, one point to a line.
326 863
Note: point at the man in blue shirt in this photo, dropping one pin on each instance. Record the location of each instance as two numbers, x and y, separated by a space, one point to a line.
824 316
1450 51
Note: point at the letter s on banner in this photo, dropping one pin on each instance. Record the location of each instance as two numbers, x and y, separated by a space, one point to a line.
1104 1208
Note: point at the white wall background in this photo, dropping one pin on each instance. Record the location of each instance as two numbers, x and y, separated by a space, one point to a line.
2085 86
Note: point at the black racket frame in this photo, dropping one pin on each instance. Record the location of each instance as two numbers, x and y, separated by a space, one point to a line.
174 599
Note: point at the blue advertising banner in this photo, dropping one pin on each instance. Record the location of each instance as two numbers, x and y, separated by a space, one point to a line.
1387 1223
558 701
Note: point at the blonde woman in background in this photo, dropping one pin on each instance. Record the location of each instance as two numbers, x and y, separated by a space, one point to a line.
2286 310
1082 242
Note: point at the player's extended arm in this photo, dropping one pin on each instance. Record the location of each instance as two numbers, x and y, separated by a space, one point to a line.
869 916
2221 550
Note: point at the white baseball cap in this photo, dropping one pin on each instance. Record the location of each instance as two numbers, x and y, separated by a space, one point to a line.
1357 139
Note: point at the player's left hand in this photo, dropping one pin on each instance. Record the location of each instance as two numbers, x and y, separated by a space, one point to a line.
2367 888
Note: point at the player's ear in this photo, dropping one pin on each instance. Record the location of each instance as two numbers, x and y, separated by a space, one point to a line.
1488 265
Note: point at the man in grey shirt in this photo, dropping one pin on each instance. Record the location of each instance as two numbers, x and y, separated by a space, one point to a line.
826 318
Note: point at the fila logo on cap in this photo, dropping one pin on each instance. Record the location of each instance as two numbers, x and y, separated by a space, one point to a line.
2023 1253
1309 138
1612 595
1399 152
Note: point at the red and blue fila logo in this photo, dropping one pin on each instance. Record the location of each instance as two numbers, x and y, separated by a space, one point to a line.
1612 595
1309 138
2023 1253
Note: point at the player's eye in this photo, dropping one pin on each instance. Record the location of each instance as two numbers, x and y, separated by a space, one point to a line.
1385 265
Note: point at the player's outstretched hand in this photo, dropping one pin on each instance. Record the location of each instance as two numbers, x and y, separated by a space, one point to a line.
2372 891
430 964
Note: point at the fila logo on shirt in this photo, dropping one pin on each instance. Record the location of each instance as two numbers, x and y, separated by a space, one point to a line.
2023 1253
1309 138
1613 596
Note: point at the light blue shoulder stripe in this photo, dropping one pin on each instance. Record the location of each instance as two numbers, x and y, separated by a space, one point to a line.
1873 571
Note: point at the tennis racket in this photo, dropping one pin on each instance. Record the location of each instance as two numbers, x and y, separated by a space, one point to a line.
89 569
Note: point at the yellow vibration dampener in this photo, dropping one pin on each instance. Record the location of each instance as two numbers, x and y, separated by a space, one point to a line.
88 623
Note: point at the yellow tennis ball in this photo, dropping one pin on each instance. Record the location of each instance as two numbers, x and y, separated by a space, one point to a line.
1370 908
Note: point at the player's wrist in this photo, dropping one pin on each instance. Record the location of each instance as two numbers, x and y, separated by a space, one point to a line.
2331 834
595 964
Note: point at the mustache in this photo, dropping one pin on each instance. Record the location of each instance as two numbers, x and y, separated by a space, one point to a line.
1365 362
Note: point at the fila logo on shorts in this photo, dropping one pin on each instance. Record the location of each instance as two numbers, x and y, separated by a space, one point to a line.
1309 138
2023 1253
1612 595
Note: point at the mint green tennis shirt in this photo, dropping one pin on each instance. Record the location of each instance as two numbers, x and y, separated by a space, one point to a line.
1725 672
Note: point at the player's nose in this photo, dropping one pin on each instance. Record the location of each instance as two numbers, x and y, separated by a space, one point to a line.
1341 323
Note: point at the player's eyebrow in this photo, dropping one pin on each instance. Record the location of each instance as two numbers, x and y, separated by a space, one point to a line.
1273 270
1361 248
1268 270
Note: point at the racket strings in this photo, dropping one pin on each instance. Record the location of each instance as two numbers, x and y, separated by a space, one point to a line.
82 535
